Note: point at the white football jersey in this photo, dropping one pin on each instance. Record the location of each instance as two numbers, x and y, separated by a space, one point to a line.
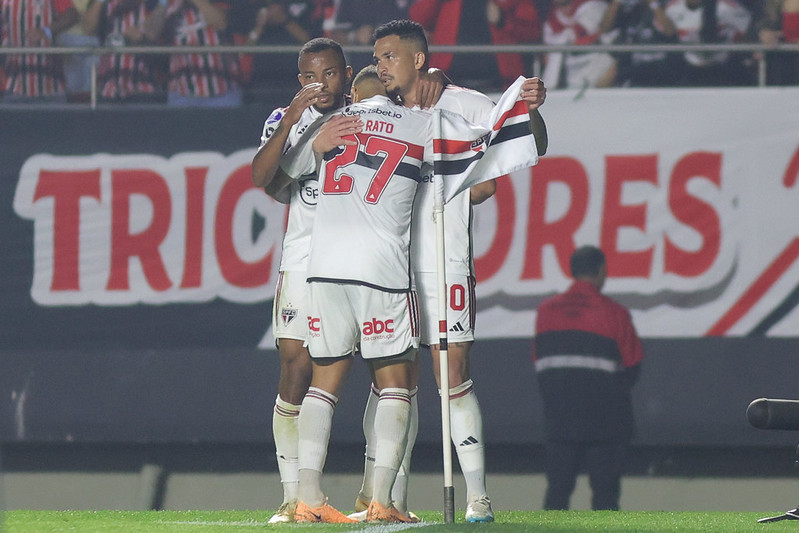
362 227
304 193
732 18
361 231
475 107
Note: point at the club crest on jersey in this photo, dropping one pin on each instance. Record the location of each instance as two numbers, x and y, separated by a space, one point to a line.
479 145
309 189
287 315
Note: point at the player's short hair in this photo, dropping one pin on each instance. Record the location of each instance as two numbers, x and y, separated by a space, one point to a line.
407 30
367 72
320 44
586 261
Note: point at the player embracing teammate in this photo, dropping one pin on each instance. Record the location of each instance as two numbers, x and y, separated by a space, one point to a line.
370 163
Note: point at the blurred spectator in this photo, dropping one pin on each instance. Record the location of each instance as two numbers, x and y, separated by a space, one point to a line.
779 22
477 22
576 22
711 21
641 22
355 20
126 77
273 22
78 67
34 23
201 79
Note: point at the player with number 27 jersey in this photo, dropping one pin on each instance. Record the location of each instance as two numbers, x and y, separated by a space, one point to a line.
361 232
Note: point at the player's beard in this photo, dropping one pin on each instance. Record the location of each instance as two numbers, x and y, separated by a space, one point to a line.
394 94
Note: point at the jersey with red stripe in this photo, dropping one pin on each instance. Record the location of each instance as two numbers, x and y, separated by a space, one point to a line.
732 19
29 75
475 107
120 76
361 232
577 23
199 75
304 194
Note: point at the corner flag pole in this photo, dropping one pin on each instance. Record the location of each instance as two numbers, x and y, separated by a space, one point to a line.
443 353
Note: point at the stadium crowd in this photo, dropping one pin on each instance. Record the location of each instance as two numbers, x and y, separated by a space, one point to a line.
230 79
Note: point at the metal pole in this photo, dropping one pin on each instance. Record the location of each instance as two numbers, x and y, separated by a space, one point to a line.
443 351
93 90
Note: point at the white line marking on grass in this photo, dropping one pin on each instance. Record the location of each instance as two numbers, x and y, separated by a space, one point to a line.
240 523
390 528
372 528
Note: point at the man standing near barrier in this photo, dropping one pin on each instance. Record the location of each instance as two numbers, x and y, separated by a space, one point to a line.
587 357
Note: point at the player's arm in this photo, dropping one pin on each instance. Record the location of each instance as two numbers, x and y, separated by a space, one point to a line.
266 162
482 191
534 93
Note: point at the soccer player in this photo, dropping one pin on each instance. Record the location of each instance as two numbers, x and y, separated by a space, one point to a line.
401 53
366 84
364 299
324 76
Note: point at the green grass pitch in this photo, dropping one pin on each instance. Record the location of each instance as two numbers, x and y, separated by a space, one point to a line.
432 521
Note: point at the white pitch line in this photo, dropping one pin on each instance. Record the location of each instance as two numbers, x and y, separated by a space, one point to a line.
373 528
389 528
241 523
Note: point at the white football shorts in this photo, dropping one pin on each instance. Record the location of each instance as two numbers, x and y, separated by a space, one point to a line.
290 307
345 318
460 307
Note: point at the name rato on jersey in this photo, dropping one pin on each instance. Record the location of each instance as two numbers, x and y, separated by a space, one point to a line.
475 107
361 232
304 191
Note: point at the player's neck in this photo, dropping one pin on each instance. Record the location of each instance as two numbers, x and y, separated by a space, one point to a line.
409 97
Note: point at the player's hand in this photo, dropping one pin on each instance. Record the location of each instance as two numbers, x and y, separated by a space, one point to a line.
338 131
305 98
534 93
429 87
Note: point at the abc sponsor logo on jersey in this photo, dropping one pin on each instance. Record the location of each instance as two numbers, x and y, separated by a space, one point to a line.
376 329
309 190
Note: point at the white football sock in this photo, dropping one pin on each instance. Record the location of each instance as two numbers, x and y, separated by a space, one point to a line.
314 423
391 431
284 431
371 441
399 494
466 426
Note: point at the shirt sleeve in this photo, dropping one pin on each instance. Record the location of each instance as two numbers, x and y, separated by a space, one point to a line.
271 124
632 352
299 160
